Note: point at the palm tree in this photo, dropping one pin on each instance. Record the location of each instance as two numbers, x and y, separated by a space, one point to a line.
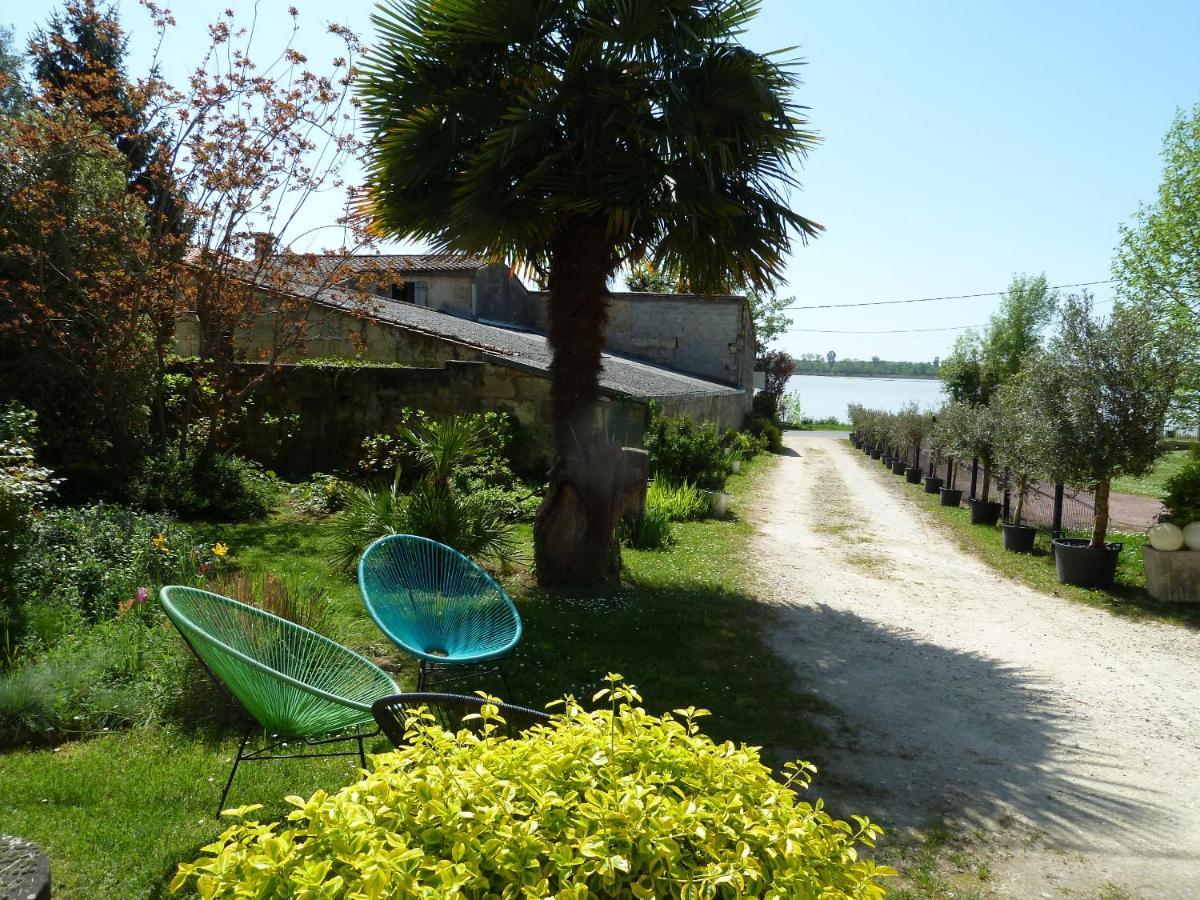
573 137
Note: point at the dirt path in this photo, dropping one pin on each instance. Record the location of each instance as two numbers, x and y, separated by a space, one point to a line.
1068 736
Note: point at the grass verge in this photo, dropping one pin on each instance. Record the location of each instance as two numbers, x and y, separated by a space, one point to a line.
1127 598
118 812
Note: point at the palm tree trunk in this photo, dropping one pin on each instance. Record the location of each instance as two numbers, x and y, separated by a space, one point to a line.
591 480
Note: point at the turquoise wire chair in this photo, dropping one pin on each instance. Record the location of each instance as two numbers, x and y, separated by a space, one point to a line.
437 605
295 683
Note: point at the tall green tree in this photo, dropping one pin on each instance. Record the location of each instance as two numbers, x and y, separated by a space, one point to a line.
769 313
982 361
574 136
1157 266
13 92
1017 326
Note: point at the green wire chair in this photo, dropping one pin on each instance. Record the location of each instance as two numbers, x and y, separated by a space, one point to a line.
438 605
292 681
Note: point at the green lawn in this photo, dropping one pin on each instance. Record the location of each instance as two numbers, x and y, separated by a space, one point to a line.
1153 483
117 812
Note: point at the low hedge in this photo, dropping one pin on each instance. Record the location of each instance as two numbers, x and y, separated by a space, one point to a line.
609 803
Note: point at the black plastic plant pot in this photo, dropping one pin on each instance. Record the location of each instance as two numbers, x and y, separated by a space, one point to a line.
951 496
876 453
912 475
1080 564
899 467
933 484
1019 538
984 512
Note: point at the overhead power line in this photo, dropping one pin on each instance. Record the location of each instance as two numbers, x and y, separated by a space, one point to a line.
1053 287
885 331
906 330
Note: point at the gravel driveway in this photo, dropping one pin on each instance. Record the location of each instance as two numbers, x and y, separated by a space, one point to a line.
1068 735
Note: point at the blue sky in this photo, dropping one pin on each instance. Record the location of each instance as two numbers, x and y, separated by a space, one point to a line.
962 142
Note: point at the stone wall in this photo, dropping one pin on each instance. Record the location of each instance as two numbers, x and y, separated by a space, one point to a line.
708 337
723 410
312 418
333 334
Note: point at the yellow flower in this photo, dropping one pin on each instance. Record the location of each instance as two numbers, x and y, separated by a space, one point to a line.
160 541
220 550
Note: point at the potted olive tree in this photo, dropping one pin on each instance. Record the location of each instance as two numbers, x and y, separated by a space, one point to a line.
898 442
1017 442
912 427
1100 393
948 428
973 433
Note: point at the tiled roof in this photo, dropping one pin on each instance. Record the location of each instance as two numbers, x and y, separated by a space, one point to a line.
619 376
401 263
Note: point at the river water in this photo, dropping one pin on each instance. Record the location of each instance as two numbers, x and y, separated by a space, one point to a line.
822 396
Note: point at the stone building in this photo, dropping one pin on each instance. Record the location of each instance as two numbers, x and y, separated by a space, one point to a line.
453 333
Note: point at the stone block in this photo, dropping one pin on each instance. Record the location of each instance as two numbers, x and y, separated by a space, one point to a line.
1172 576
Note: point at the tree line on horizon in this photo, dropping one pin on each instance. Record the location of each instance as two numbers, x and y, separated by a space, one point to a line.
829 364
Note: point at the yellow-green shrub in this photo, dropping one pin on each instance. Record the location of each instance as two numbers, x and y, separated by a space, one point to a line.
610 803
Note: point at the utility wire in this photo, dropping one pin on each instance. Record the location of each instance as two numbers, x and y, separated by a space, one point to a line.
1052 287
906 330
886 331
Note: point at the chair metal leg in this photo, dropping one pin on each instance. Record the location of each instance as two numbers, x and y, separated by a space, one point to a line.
233 771
420 676
508 696
362 756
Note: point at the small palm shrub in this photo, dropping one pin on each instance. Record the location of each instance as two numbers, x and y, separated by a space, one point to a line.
370 512
613 802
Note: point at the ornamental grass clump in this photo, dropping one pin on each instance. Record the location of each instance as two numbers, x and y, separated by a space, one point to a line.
609 803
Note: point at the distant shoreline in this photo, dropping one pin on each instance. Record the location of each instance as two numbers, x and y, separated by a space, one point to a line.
878 377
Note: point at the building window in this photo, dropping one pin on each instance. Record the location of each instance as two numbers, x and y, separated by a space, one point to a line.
416 292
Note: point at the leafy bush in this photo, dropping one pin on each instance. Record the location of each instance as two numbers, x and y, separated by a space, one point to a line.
681 502
320 495
1183 491
24 486
610 803
92 558
768 431
227 488
741 445
682 449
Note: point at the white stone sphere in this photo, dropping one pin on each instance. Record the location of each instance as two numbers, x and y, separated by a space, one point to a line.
1169 537
1191 535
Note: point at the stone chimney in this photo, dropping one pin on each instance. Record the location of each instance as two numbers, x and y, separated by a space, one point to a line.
264 245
